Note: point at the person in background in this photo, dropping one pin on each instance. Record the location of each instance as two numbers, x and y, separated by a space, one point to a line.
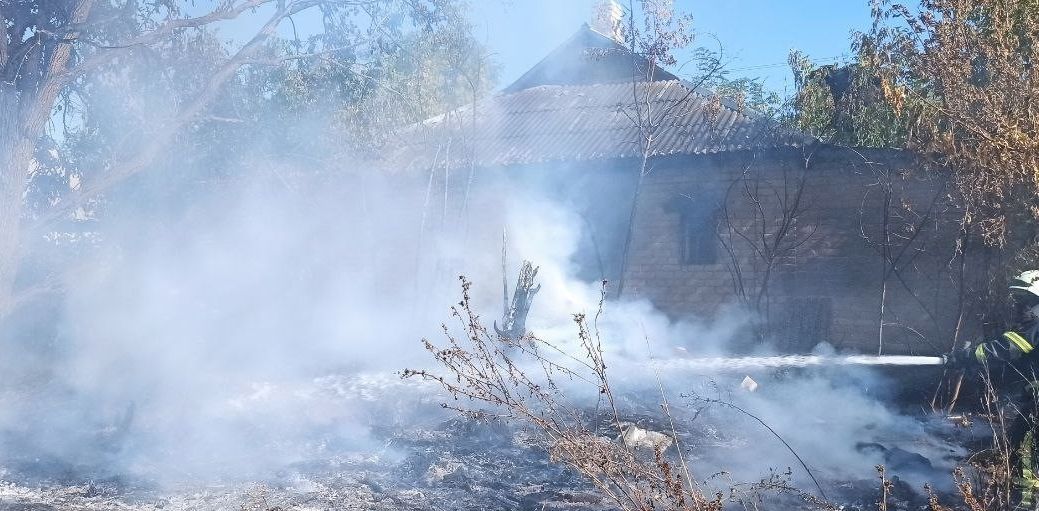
1015 352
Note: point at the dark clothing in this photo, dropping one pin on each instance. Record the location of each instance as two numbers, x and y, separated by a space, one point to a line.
1013 347
1015 354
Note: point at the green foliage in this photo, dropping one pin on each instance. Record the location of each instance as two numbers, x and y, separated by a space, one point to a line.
747 93
843 104
306 103
962 76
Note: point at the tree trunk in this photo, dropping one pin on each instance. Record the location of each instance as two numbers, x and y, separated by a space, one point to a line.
26 104
629 234
26 107
15 157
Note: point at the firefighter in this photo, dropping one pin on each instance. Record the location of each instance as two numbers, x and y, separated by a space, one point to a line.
1016 353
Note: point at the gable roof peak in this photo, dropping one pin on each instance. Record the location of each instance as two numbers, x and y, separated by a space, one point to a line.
588 57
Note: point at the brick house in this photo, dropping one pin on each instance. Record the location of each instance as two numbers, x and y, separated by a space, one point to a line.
855 247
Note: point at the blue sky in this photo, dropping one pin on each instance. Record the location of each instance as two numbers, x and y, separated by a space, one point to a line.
756 34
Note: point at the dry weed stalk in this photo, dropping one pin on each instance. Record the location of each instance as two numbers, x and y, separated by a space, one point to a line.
520 379
987 481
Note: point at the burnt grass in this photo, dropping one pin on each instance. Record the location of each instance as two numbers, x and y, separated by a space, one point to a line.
443 462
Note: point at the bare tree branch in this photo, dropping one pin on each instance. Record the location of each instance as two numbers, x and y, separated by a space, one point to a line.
162 140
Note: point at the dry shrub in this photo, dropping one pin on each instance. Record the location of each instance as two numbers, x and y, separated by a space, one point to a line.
519 379
986 481
961 74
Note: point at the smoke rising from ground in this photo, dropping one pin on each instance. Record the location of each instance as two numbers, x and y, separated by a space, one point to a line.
261 327
256 323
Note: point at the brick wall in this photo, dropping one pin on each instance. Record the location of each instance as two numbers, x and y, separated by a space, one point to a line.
830 258
830 274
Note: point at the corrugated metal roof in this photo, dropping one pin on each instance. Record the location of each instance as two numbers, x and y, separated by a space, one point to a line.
577 123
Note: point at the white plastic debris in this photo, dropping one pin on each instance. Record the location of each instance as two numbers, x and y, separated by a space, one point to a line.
635 437
749 384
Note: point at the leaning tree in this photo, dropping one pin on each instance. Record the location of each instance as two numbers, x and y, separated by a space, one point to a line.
52 50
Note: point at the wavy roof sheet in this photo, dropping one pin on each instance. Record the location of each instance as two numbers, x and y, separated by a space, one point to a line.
555 123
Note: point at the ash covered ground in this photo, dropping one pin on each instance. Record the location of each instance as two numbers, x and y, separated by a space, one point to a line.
415 455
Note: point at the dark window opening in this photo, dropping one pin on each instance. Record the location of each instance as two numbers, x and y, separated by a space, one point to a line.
698 240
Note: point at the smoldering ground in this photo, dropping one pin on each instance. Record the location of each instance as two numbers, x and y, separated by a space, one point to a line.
259 329
247 325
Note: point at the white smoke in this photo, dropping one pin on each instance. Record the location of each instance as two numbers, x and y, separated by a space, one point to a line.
262 327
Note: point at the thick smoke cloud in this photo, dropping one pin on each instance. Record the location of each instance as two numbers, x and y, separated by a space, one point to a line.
262 327
259 324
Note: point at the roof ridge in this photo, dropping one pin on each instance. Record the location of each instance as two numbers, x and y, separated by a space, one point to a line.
589 121
699 91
